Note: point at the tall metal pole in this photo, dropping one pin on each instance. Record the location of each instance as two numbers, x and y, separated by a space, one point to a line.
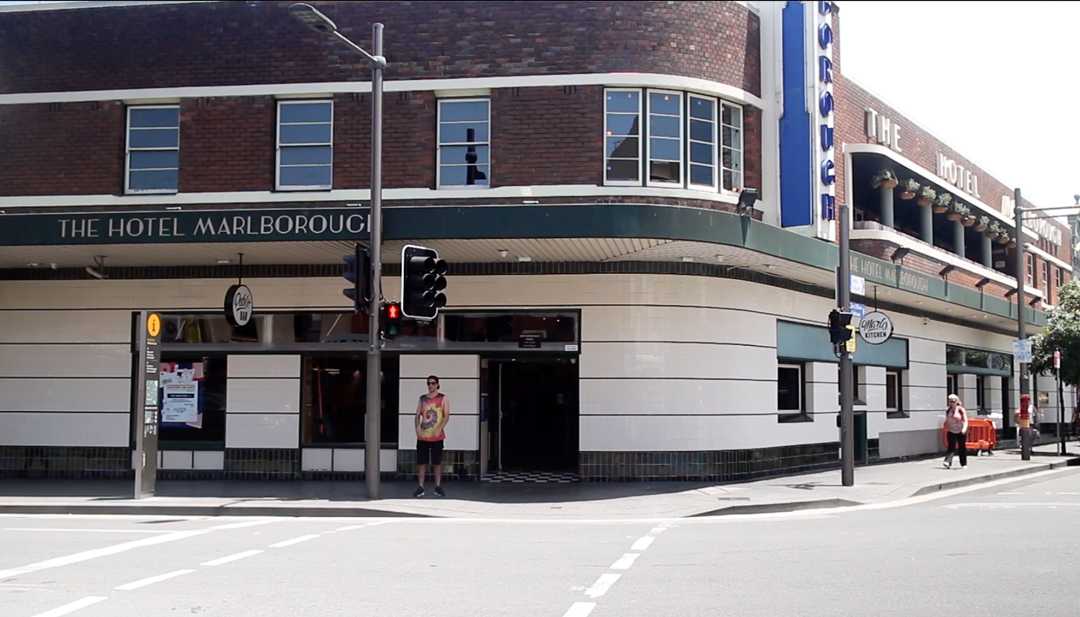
847 415
373 425
1021 277
1061 412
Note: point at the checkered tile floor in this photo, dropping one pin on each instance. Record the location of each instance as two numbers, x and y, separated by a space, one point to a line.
531 477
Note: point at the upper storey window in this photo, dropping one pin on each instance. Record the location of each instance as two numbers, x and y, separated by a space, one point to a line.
153 149
691 141
305 145
464 143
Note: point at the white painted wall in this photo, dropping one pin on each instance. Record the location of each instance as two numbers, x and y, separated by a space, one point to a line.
263 401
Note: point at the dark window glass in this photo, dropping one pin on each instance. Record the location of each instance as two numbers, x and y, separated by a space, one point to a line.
305 176
463 155
334 399
623 102
661 103
623 148
463 133
622 124
463 111
702 109
162 117
306 112
305 134
509 327
700 174
664 126
306 155
623 170
789 389
701 131
154 138
663 149
155 159
192 394
463 175
153 180
892 397
663 171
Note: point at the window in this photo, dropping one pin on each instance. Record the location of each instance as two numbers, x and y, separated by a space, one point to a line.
732 158
665 138
153 150
1030 269
1060 277
464 143
191 397
305 150
622 137
701 134
1044 284
334 400
980 396
894 395
789 393
952 385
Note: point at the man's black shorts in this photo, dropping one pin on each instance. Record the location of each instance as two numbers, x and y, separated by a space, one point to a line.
429 452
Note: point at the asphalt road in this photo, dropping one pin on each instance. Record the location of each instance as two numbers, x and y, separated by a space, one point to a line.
945 554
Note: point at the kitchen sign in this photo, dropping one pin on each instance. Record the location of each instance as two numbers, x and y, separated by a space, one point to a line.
875 328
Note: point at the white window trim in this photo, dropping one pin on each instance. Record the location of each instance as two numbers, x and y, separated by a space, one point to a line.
127 153
802 403
741 150
277 149
640 125
648 139
716 145
439 145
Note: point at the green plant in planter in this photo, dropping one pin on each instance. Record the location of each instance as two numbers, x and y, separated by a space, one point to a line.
885 179
957 211
982 223
909 189
926 196
941 204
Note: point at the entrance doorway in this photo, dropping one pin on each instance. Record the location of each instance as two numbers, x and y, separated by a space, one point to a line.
529 417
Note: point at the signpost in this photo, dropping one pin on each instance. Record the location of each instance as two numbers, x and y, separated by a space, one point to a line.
1022 350
145 423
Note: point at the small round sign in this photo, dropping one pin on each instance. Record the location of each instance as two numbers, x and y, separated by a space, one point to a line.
875 328
239 305
153 324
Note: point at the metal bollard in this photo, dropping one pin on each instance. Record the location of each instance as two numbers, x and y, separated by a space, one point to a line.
1026 439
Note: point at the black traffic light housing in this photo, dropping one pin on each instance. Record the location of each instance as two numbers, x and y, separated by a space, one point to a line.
390 319
840 330
358 272
423 282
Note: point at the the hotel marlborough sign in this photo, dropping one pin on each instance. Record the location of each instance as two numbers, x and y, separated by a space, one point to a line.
194 226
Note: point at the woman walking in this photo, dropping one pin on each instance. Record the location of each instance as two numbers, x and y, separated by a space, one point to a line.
956 426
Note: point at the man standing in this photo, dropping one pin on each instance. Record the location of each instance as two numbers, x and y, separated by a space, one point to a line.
432 414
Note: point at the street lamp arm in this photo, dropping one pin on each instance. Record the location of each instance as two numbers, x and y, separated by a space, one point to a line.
376 61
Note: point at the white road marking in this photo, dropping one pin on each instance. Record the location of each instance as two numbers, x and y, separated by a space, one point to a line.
580 609
80 557
297 540
602 585
625 561
231 558
67 609
1010 506
355 527
151 580
87 530
1011 493
642 543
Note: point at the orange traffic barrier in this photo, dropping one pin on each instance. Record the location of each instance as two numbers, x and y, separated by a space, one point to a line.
981 436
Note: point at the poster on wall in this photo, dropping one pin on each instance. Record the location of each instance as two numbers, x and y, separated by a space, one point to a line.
180 394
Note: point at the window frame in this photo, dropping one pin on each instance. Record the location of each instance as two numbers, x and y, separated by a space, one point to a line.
793 415
648 137
278 146
741 149
716 146
981 408
897 411
128 150
640 138
439 144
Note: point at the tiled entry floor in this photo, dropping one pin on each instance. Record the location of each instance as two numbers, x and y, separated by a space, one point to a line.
531 477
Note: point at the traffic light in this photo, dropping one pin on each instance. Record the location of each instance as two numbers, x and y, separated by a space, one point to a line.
840 330
390 319
358 272
423 282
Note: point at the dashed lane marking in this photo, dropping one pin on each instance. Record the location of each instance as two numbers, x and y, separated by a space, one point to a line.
231 558
293 541
67 609
580 609
624 562
602 585
642 543
150 580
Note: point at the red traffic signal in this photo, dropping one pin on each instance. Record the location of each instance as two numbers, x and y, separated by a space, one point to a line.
391 319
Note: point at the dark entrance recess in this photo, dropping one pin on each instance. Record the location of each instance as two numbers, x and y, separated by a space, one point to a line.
531 408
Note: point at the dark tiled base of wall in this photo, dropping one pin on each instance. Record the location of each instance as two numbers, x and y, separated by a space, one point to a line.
457 464
261 464
712 465
65 462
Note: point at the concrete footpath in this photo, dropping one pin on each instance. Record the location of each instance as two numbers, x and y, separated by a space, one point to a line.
470 499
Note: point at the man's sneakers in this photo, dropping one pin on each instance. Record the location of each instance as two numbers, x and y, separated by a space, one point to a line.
419 492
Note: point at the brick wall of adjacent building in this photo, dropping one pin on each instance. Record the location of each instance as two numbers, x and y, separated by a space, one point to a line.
218 43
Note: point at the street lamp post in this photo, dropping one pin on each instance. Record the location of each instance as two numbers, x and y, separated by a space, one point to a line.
312 18
1024 433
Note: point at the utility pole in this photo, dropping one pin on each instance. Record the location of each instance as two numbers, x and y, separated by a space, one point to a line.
847 415
1023 434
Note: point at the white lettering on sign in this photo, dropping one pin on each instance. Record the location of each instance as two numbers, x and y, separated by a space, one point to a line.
1043 227
875 328
158 227
882 129
824 116
957 175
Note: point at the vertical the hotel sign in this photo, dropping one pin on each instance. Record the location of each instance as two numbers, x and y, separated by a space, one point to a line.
824 115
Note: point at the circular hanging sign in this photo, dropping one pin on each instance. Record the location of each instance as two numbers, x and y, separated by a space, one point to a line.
153 325
239 305
875 328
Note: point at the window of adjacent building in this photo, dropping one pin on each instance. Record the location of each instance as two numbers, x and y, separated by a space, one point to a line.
464 143
1060 277
305 150
622 136
701 135
789 392
952 384
665 138
981 406
1030 269
153 149
894 395
732 159
1044 284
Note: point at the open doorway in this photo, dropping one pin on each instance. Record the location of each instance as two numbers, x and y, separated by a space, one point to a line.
531 414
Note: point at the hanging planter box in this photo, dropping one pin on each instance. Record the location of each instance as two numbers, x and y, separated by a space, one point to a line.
982 223
885 179
926 196
909 189
941 204
968 220
957 212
